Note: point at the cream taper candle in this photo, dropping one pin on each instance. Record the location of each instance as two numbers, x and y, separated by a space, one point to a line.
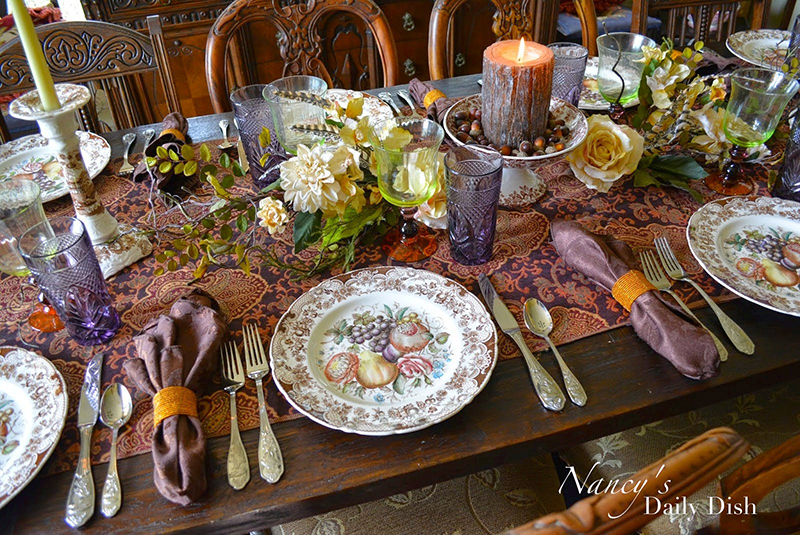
33 51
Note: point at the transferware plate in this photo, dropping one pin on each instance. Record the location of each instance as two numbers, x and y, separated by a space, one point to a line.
33 407
764 48
752 247
383 350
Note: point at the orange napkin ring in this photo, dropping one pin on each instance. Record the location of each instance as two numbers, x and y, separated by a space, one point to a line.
171 401
432 96
177 133
629 287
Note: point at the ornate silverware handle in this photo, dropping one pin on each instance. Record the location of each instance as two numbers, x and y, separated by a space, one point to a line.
740 340
129 140
723 352
270 458
112 491
574 387
546 388
238 467
80 501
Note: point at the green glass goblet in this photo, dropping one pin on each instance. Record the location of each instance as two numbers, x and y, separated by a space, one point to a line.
620 68
758 98
406 152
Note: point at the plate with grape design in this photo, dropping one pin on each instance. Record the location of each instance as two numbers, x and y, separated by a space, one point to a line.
383 350
752 247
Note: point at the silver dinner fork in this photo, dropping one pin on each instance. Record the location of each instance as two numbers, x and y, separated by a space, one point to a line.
653 273
270 459
405 95
233 380
387 98
674 269
127 168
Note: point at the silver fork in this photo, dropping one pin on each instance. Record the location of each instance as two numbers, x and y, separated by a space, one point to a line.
405 95
270 459
233 380
674 269
387 98
653 273
126 168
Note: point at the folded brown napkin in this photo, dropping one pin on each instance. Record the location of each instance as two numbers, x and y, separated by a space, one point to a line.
174 350
688 347
439 104
172 136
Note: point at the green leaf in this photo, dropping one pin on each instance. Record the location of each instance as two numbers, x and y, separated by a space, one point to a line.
187 152
641 179
399 384
174 155
275 185
190 169
162 153
207 223
161 257
150 161
209 170
226 232
164 167
388 311
307 230
205 154
179 244
237 169
179 167
158 271
685 187
218 187
183 259
172 265
225 160
679 165
228 181
401 313
352 224
193 251
242 222
264 138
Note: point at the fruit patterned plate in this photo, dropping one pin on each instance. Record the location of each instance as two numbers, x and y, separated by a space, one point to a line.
28 157
33 407
374 108
591 99
764 48
383 350
752 247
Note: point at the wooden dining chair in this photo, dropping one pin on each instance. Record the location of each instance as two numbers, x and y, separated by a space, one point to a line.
299 40
531 19
588 17
688 21
102 55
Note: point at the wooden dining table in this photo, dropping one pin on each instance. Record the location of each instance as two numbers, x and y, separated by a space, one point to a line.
627 383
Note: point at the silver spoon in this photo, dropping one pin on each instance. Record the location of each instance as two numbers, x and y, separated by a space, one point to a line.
539 321
223 125
115 411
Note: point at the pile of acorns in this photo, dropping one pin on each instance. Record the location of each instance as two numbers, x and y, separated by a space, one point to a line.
470 131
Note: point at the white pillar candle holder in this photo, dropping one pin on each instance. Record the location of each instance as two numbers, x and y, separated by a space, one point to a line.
117 246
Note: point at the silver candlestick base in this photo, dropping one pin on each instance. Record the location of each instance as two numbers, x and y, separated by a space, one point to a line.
117 246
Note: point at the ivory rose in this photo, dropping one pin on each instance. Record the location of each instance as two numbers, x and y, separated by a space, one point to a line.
608 152
272 215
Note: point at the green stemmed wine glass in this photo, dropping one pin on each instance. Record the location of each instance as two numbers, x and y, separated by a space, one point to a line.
758 98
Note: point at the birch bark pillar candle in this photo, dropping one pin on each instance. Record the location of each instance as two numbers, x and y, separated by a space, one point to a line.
517 81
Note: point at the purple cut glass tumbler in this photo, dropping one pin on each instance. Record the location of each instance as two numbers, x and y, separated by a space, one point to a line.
62 261
568 71
473 177
251 114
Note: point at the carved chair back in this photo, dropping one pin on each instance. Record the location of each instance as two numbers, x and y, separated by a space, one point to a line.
531 19
588 17
299 39
109 55
692 20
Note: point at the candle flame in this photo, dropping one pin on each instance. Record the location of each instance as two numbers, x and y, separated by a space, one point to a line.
521 52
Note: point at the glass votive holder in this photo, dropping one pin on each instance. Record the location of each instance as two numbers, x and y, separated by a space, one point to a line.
473 178
568 71
290 113
620 65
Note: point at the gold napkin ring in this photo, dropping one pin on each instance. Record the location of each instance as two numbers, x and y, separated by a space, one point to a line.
629 287
177 133
171 401
432 96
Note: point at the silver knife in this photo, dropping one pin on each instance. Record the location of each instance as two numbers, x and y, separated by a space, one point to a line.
80 502
546 388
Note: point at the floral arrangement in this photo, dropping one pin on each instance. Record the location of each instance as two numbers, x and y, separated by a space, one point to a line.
330 197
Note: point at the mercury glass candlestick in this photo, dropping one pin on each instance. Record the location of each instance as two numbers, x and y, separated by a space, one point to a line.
116 246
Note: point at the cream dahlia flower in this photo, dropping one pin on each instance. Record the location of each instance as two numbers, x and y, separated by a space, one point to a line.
272 215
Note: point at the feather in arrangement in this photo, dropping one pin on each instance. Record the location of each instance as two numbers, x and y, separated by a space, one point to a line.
327 131
305 96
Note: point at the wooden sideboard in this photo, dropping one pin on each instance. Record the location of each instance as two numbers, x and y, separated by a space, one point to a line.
350 54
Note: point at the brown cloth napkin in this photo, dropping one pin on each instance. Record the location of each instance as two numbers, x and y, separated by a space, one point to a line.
419 89
174 122
179 349
688 347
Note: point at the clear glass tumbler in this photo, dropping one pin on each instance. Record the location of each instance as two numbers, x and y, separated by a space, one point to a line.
62 261
568 71
290 110
621 64
20 209
473 178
